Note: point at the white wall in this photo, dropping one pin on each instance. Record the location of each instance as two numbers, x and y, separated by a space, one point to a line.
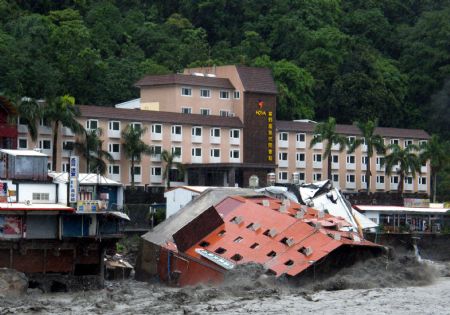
62 193
177 199
25 192
373 215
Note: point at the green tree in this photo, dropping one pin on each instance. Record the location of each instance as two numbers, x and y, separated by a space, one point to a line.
91 148
436 151
326 132
133 146
403 162
169 163
30 112
61 111
372 141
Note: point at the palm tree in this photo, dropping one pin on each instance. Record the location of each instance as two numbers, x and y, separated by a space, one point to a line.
62 111
169 161
326 131
406 159
435 151
373 142
30 112
90 147
133 146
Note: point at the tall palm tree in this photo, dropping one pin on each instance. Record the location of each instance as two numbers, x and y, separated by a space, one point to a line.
133 146
326 132
406 159
373 142
437 152
62 111
30 112
91 148
169 161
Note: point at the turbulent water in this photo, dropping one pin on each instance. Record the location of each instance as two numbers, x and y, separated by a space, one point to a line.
380 285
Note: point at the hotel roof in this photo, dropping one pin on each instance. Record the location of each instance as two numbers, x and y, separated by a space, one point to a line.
354 130
135 115
258 80
184 79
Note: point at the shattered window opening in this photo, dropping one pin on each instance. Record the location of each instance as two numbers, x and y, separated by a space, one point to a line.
254 245
290 262
272 254
238 239
266 233
221 233
236 257
220 250
204 244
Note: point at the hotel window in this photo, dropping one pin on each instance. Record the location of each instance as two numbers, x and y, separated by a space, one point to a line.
43 122
205 93
234 154
300 157
40 196
186 91
283 136
156 171
224 95
380 179
114 147
363 178
176 151
237 95
91 124
137 170
224 113
197 131
423 142
317 177
364 160
176 130
422 180
350 159
157 128
49 166
156 149
394 179
408 180
393 141
301 176
114 125
282 156
114 169
282 176
136 125
335 159
65 167
335 177
351 139
22 143
317 157
215 153
300 137
186 110
196 152
215 132
205 111
408 142
45 144
380 160
234 133
350 178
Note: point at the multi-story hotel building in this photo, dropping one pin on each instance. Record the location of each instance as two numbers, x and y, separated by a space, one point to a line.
221 120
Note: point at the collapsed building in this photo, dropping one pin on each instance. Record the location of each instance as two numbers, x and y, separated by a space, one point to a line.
59 247
223 227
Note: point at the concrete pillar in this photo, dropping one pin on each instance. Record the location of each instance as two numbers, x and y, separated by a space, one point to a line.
231 177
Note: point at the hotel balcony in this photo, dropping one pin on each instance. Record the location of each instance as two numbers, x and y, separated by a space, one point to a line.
350 185
393 186
137 178
408 187
68 132
283 144
380 186
176 137
335 147
235 141
300 164
335 166
196 159
214 159
156 136
235 160
156 179
300 144
114 133
422 187
317 164
197 139
283 163
363 166
22 128
214 140
155 157
350 166
115 155
45 130
318 146
115 177
423 169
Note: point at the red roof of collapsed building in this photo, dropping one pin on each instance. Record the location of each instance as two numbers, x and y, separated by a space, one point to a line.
284 237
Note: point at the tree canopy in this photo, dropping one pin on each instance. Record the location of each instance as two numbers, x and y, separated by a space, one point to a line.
353 60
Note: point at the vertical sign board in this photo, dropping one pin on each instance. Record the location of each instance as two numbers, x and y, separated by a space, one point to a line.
73 179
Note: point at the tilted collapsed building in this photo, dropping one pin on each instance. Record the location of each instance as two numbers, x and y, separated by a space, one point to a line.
201 242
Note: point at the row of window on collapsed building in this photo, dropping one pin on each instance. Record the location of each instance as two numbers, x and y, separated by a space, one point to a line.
206 93
350 178
391 222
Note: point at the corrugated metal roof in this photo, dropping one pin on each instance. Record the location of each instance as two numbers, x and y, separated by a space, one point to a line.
400 209
22 152
85 179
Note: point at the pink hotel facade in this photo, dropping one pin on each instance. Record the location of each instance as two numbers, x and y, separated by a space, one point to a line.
222 122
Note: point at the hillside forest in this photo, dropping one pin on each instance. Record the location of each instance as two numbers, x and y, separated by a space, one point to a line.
355 60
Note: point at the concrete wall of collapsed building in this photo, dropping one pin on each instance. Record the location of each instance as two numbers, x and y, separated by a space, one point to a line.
178 198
